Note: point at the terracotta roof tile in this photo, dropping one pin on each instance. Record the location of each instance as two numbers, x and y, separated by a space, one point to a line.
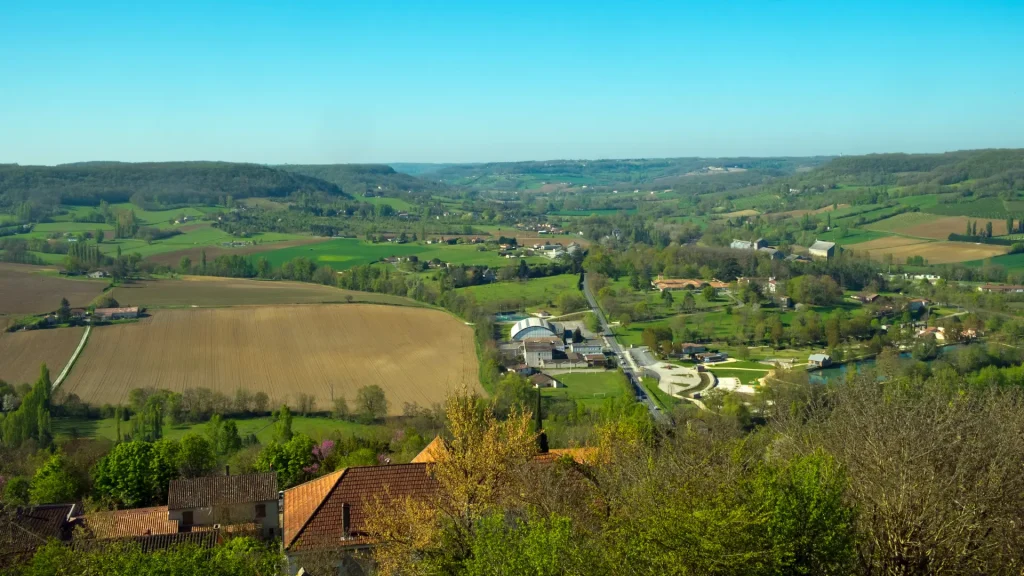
302 501
582 455
207 539
129 523
357 487
430 451
219 490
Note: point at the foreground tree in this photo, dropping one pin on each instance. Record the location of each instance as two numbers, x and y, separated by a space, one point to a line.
477 472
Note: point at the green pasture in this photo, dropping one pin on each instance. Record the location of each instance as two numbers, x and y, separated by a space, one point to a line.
396 203
745 376
851 236
533 292
591 388
1012 262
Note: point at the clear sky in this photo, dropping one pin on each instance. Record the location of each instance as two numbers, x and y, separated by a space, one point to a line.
378 81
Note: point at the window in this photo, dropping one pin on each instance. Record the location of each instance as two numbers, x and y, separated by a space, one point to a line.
186 518
261 510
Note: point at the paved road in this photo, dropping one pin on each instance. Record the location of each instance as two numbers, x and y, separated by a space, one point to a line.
627 364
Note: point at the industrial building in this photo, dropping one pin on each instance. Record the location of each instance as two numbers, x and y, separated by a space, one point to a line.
532 327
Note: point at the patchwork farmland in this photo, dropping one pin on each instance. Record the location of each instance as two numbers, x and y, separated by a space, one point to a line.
414 354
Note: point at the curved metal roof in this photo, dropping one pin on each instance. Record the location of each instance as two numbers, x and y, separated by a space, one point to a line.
532 323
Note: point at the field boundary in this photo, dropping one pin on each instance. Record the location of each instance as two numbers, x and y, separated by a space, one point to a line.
71 361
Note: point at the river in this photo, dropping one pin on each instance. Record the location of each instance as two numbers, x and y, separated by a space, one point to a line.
826 374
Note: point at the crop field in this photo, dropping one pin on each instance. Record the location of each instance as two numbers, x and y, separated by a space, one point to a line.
980 208
22 353
537 291
31 289
934 252
414 354
1012 262
195 253
211 291
923 225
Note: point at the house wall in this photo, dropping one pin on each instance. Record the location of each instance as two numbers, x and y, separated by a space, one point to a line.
232 514
536 359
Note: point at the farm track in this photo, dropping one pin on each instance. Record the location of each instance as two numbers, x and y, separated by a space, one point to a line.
415 355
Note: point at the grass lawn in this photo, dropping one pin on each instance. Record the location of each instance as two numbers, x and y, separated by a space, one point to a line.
533 292
589 388
745 376
315 427
663 400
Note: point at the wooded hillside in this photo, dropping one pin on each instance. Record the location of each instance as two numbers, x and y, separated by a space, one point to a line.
161 183
365 179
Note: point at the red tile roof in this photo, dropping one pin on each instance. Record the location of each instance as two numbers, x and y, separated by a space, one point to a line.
357 487
220 490
129 523
303 500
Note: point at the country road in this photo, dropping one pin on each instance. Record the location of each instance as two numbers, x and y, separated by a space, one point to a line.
629 367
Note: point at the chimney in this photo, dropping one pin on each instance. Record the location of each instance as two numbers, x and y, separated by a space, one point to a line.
346 521
542 438
227 470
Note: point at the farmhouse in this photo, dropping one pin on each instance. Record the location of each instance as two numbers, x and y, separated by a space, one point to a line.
542 380
939 333
819 360
771 252
917 305
223 500
116 313
747 245
821 249
690 349
529 327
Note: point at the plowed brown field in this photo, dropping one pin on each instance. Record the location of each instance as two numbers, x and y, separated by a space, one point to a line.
22 353
25 290
414 354
205 291
934 252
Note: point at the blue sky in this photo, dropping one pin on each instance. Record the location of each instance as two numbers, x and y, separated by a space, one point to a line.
384 81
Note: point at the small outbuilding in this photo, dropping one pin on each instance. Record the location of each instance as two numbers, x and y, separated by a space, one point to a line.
819 360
